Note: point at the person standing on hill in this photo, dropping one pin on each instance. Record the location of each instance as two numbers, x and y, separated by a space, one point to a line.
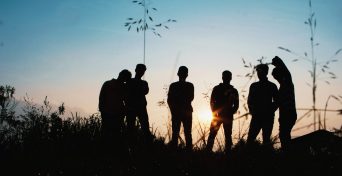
180 96
112 107
224 103
287 102
136 103
262 103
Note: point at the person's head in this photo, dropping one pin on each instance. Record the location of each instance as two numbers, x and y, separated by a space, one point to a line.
140 70
262 71
226 76
277 75
124 75
182 73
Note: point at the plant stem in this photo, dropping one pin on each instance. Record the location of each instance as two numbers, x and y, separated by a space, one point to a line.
325 111
314 74
144 29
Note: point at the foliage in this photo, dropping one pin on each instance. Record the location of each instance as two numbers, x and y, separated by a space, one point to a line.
318 69
6 97
7 103
42 142
146 22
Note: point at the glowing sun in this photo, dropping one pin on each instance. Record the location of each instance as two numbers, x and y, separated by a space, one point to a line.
205 115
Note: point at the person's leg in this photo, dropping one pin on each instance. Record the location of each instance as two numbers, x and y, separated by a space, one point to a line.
285 128
227 126
130 120
117 125
103 122
145 125
284 136
106 126
187 124
254 129
176 123
214 127
131 127
107 132
267 127
119 139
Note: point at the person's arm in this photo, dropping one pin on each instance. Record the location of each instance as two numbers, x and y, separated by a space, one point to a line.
170 97
213 99
146 88
101 97
192 90
250 99
235 101
125 91
275 96
277 62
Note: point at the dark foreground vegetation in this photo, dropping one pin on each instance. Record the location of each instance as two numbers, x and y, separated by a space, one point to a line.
44 142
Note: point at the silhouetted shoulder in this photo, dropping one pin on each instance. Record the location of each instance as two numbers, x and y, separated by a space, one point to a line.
263 84
107 83
181 85
172 87
253 85
144 82
189 84
137 83
235 90
216 87
274 86
177 83
173 84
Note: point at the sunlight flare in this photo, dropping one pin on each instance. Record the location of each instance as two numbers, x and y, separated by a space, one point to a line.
205 115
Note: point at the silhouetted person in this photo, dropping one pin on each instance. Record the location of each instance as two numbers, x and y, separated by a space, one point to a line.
136 103
224 102
112 107
262 103
287 102
180 96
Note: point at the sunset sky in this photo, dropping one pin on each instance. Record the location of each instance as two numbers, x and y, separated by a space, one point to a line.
66 49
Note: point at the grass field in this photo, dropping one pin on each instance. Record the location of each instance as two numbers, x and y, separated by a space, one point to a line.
40 142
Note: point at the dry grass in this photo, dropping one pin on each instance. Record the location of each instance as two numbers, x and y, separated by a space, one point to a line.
40 142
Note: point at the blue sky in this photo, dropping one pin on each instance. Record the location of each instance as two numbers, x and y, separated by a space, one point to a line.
66 49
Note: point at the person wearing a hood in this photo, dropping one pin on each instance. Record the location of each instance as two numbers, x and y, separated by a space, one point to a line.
287 102
224 103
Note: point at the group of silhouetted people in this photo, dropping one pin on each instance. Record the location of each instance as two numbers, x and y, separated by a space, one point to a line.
123 100
264 99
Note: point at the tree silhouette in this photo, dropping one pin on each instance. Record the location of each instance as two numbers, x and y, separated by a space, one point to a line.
7 101
146 22
318 69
